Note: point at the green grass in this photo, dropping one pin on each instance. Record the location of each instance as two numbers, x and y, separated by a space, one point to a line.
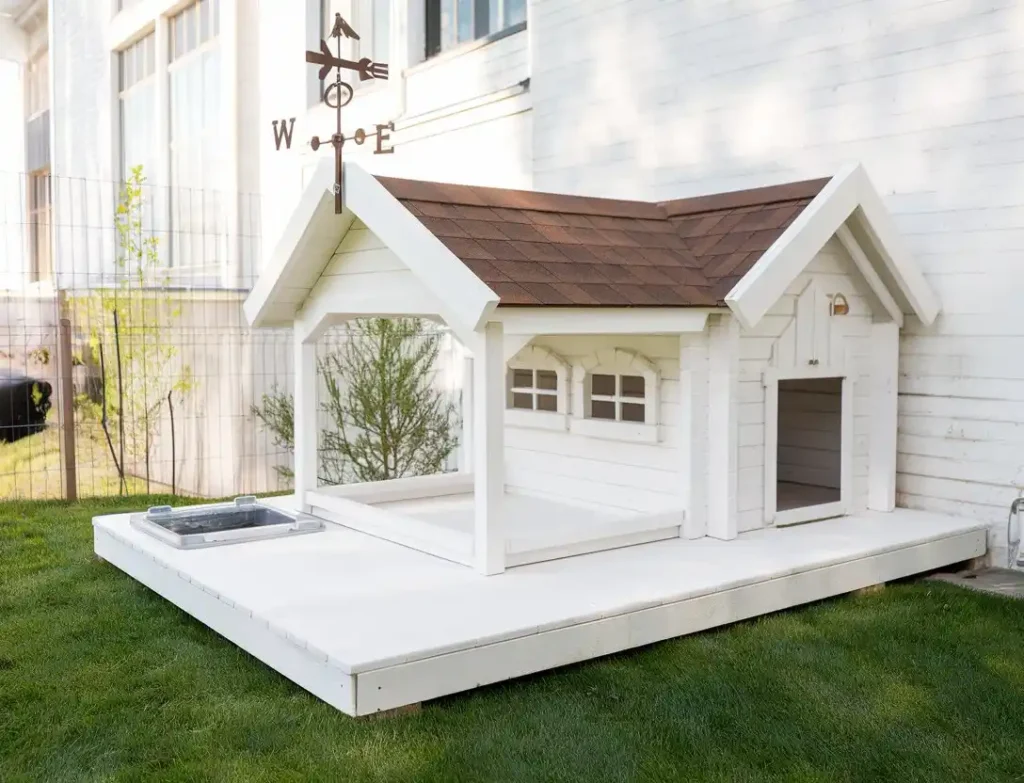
100 679
30 468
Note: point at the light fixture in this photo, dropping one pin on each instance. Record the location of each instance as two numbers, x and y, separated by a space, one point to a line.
838 305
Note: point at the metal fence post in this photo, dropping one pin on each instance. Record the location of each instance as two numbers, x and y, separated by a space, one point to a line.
65 363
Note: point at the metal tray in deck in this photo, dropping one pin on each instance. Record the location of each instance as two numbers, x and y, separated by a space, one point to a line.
245 519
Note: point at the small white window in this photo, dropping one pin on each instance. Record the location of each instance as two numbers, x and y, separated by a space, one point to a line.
537 390
618 397
618 392
533 390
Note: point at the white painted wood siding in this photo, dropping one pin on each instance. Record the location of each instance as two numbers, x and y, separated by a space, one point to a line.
834 271
610 474
361 269
927 94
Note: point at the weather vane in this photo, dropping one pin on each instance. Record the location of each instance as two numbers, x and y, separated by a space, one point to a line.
337 96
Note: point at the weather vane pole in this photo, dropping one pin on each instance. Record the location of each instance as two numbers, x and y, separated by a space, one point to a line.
337 96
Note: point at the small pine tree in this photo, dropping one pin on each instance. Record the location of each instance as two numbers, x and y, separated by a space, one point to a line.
389 419
385 417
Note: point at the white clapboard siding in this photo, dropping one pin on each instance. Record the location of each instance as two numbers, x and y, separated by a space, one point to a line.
926 94
614 474
808 446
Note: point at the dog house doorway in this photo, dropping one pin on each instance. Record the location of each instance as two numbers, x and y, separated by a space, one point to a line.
808 444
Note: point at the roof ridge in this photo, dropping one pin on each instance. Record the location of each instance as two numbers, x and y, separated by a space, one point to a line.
749 197
511 198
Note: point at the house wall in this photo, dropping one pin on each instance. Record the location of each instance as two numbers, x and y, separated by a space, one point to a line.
835 272
86 37
13 242
610 474
926 94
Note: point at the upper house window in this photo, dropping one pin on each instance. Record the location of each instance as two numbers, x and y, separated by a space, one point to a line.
451 23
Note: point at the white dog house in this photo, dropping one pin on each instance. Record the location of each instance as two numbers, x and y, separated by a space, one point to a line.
694 376
640 371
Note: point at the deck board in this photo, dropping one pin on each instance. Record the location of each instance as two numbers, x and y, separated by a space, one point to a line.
390 615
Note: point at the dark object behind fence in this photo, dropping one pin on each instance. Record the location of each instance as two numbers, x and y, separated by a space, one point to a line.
24 403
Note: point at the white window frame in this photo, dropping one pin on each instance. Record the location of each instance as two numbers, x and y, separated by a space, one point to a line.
795 516
533 358
617 362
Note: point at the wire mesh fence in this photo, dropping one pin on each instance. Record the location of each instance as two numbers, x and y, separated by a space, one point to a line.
127 366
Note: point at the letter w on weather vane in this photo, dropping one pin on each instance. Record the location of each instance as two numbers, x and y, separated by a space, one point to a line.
337 95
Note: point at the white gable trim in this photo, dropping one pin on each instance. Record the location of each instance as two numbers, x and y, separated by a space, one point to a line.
314 232
774 272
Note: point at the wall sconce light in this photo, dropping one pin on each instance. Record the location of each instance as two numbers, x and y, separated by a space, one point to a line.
838 305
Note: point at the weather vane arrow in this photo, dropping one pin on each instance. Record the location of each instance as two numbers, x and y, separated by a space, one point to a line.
366 68
336 96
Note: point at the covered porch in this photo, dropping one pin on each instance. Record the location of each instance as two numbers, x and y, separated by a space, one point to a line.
377 261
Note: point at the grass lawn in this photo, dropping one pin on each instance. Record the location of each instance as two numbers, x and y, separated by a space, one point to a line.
101 679
30 468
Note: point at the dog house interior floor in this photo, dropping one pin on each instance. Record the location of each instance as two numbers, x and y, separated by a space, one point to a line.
368 625
789 494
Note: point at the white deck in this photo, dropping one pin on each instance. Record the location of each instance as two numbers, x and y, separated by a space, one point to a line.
369 625
539 528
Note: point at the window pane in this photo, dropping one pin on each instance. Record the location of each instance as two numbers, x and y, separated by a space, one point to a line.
522 379
547 379
524 401
632 386
515 12
189 18
177 37
465 20
205 33
632 411
603 385
381 30
547 402
602 409
448 28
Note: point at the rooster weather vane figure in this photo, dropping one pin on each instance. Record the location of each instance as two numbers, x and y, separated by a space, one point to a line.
338 95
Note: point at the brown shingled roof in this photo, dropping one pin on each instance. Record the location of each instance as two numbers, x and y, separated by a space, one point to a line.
560 250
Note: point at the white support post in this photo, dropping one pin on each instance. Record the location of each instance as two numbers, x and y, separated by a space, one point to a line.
489 451
693 428
723 427
466 450
305 421
884 371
